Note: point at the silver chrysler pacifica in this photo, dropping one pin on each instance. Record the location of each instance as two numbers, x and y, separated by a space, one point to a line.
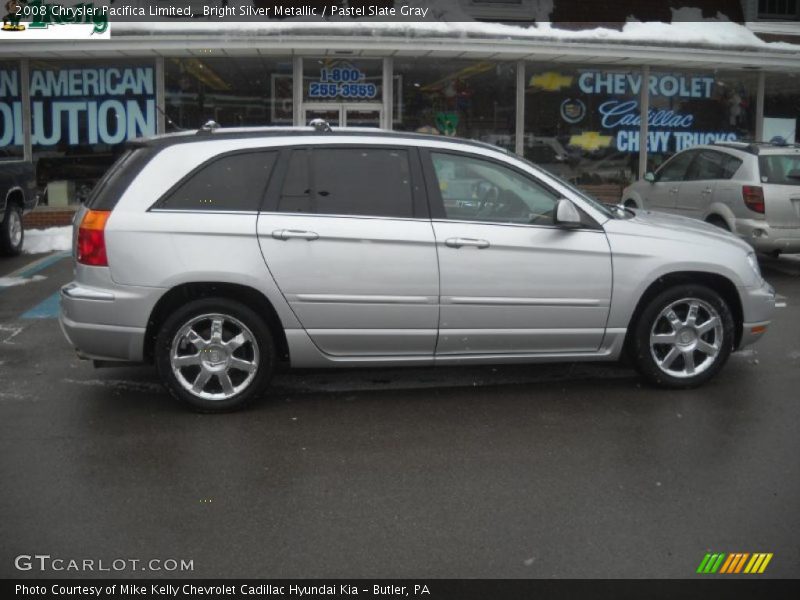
219 254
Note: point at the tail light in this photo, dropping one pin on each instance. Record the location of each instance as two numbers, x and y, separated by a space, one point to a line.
753 197
92 239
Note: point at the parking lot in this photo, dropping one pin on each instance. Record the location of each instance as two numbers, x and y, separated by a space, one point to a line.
515 471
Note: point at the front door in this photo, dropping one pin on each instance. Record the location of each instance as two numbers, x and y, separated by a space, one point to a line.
663 194
348 240
510 280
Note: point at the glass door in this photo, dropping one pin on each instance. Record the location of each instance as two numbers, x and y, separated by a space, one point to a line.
362 116
332 113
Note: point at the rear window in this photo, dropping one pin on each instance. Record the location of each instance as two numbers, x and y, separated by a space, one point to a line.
235 182
783 169
107 192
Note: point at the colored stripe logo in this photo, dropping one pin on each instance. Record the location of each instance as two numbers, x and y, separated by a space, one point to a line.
734 563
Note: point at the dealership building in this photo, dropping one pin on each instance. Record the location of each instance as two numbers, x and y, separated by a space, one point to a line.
567 96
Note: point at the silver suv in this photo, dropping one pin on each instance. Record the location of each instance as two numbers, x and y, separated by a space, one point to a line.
752 190
221 254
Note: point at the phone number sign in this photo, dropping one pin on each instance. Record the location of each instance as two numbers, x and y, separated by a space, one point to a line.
342 82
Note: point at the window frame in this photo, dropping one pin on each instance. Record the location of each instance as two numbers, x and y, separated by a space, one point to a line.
419 201
158 205
438 212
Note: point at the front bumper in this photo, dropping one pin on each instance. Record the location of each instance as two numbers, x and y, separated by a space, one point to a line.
758 306
106 322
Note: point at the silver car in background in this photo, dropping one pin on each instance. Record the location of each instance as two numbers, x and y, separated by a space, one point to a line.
750 189
221 254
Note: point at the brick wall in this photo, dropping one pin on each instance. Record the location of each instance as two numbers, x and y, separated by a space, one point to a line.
45 217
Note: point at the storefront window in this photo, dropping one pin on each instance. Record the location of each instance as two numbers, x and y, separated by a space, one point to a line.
11 134
688 108
81 116
469 99
582 125
233 91
782 108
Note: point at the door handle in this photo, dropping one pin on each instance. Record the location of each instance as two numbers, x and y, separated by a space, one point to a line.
458 242
673 190
706 191
289 234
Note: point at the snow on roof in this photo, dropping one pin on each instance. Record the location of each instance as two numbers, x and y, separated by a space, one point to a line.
688 28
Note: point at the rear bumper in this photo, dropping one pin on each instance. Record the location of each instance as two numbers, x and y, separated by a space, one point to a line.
758 306
108 322
768 239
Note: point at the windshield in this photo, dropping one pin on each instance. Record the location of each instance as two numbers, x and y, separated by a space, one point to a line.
783 169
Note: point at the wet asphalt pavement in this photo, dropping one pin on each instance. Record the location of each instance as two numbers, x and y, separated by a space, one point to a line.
523 471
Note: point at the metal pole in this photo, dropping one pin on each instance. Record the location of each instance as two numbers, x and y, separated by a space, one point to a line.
519 133
297 89
25 98
762 79
644 109
388 93
161 96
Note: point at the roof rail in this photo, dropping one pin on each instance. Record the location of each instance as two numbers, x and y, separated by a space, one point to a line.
320 125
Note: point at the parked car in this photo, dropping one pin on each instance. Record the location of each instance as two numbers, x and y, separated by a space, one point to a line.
752 190
220 254
18 196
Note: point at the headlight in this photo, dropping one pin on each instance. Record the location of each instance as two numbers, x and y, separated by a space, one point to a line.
753 262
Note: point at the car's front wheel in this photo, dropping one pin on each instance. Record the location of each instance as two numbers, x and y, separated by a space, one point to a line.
683 337
12 233
215 354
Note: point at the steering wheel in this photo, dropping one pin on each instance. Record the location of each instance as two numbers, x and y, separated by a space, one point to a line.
485 192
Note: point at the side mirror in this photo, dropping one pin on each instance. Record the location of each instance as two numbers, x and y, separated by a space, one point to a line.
567 215
650 177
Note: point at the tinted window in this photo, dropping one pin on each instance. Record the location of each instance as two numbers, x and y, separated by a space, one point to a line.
783 169
712 165
107 192
348 181
233 182
479 190
730 164
675 169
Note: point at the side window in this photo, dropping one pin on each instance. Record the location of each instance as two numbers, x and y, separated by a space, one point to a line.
675 169
706 166
234 182
348 181
730 164
473 189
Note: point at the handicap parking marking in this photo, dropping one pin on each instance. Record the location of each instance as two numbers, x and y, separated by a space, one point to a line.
38 265
47 309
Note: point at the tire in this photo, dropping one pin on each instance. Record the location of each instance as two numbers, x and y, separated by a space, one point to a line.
12 233
211 377
718 222
704 345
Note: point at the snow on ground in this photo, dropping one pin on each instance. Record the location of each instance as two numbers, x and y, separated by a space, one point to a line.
38 241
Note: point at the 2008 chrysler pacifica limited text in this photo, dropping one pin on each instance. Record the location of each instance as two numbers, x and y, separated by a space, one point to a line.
218 254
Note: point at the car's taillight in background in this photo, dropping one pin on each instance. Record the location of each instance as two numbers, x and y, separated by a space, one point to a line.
753 197
92 239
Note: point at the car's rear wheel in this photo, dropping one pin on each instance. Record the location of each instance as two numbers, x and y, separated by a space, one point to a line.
215 354
683 337
12 233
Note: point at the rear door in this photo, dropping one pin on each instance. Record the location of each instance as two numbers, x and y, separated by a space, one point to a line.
347 237
780 176
702 177
662 195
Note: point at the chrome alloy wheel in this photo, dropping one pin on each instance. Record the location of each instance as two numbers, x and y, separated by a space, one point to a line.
14 228
214 356
686 337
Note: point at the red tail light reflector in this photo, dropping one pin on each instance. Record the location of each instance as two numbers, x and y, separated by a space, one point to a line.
753 197
91 238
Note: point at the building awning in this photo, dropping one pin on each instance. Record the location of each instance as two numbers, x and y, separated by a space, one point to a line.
692 45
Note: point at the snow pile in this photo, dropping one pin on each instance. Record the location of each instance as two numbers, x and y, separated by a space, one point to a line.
38 241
